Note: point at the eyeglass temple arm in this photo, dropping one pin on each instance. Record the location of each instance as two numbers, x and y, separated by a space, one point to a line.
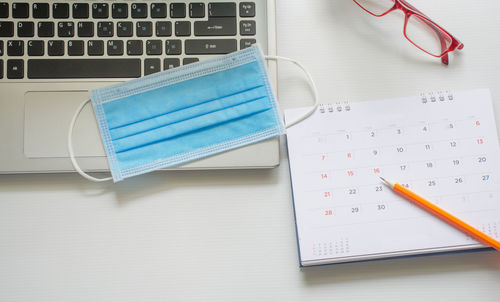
442 40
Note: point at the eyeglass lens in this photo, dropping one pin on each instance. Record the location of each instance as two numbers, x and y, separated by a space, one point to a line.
420 31
376 7
427 36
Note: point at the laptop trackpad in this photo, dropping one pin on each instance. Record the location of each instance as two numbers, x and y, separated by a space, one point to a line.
47 116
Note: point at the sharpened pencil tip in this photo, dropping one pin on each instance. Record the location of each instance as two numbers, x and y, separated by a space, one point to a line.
386 182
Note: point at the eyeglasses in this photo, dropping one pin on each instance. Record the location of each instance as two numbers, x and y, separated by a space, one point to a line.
418 28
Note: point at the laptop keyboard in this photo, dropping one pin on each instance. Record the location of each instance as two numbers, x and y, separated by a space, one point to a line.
72 40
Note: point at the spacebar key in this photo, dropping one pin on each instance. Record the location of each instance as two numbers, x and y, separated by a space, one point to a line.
210 46
83 68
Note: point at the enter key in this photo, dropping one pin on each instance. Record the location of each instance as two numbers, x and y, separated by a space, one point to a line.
215 27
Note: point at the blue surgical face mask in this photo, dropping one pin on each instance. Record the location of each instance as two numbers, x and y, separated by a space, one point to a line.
177 116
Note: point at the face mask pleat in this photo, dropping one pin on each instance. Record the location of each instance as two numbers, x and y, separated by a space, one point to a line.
200 123
180 148
189 113
181 95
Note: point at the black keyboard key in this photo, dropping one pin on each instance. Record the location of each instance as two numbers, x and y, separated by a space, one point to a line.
15 69
20 10
119 10
154 47
6 29
210 47
151 66
158 10
177 10
163 28
1 69
171 63
173 47
95 48
60 10
55 48
247 28
144 29
105 29
80 10
35 48
83 68
65 29
197 10
100 10
186 61
45 29
124 29
222 9
25 29
215 27
41 10
182 28
85 29
4 10
15 48
1 48
245 43
247 9
134 47
115 47
75 48
139 10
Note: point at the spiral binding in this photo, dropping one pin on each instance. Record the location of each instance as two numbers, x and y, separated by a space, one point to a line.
425 97
335 107
433 97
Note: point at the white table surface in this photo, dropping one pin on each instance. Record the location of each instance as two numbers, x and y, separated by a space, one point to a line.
229 235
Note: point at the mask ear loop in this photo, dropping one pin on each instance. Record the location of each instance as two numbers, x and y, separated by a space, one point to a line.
311 83
72 153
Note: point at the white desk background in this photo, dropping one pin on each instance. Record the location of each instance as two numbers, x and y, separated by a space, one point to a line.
229 235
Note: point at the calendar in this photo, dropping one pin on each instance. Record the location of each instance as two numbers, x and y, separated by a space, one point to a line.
442 145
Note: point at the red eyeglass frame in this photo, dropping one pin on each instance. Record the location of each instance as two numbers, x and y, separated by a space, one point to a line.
410 10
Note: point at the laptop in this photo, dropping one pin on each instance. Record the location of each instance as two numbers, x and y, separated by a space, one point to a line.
53 52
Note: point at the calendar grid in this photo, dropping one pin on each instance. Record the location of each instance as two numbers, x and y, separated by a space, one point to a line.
395 126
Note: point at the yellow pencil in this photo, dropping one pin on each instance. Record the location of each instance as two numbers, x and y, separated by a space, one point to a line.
442 214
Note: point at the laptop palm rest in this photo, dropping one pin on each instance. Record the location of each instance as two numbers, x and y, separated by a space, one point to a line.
47 116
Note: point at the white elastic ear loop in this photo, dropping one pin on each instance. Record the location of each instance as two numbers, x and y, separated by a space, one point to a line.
70 147
311 82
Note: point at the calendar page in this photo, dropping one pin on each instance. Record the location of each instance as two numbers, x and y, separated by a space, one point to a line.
442 146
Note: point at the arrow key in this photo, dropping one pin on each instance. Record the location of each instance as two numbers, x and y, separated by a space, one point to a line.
151 66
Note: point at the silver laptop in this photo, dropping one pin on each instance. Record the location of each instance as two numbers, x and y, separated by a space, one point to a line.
53 52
